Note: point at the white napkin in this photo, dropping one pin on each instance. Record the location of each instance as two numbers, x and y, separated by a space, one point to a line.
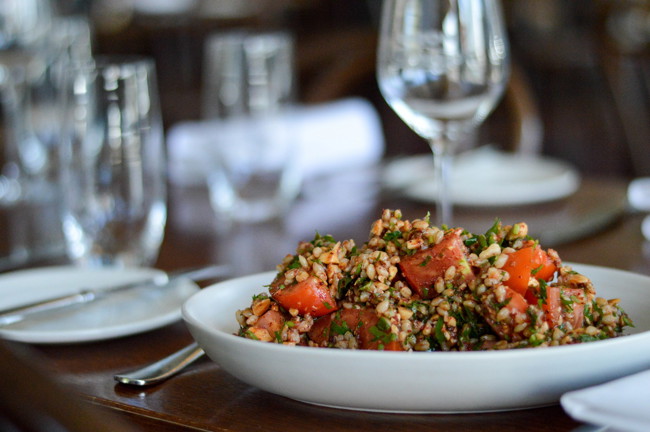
622 404
329 137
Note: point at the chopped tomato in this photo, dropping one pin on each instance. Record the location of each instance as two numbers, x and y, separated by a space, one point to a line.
364 324
552 306
573 310
516 302
310 296
372 335
526 262
545 268
423 268
557 311
320 330
271 320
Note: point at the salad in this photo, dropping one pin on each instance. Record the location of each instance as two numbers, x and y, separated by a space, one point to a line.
417 287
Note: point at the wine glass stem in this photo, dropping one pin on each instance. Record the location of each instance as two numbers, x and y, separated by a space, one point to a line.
442 161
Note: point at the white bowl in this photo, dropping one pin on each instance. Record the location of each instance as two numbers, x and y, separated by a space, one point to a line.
431 382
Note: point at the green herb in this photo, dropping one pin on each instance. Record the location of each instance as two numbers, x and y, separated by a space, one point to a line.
339 329
542 296
425 261
295 263
567 302
534 340
536 270
491 235
627 321
344 286
515 229
437 331
533 317
392 236
588 338
381 332
366 286
383 324
320 240
504 303
496 226
588 313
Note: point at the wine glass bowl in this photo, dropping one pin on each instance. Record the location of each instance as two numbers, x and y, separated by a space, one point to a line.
442 67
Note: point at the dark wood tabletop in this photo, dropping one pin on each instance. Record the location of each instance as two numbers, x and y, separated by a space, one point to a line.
205 397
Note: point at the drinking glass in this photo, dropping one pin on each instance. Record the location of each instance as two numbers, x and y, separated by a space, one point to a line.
112 164
442 67
247 94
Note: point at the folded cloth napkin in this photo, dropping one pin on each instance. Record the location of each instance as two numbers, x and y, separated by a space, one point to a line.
622 404
329 137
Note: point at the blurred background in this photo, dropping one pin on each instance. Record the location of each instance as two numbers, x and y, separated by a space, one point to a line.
581 68
579 93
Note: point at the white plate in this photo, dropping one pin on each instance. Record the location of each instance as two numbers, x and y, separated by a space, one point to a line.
403 382
486 177
120 314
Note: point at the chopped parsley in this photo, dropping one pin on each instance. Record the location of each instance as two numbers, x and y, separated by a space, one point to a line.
339 329
381 332
543 293
295 263
437 331
320 240
391 236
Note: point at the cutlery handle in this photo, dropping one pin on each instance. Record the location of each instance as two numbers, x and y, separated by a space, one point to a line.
13 315
161 369
10 316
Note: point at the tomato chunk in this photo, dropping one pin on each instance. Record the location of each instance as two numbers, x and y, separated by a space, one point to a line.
516 306
310 296
526 262
422 269
364 324
516 302
560 304
272 321
552 306
574 308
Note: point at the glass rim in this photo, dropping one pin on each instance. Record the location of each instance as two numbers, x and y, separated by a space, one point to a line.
246 36
117 61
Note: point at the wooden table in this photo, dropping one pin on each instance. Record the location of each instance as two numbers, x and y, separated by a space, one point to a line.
206 398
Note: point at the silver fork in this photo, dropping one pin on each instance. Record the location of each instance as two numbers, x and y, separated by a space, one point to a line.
162 369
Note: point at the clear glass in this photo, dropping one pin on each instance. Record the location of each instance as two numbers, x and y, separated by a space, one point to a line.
36 46
442 67
248 93
113 163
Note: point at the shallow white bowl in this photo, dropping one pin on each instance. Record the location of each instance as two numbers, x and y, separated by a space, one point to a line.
432 382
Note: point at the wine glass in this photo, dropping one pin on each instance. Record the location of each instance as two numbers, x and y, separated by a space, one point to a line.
442 67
